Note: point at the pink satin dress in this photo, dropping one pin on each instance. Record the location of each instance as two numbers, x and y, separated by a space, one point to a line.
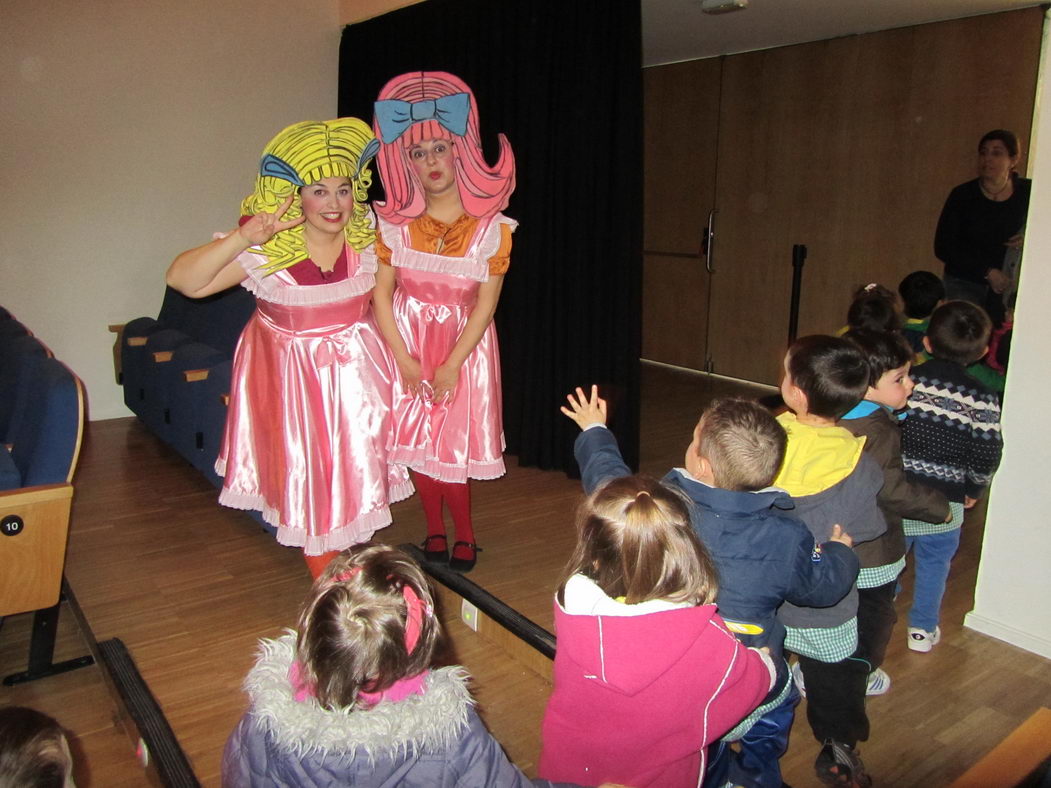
463 437
309 419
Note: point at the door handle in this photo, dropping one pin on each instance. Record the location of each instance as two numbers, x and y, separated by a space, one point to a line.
708 242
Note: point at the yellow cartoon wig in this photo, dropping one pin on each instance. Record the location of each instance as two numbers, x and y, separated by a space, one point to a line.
303 154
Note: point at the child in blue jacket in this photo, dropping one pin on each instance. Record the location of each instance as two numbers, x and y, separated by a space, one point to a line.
763 555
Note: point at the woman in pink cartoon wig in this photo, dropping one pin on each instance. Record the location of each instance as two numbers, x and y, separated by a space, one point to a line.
444 248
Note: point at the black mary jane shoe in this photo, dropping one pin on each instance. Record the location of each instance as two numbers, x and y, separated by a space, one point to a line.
464 564
433 555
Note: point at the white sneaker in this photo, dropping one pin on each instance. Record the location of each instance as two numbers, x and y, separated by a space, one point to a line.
797 677
879 682
923 641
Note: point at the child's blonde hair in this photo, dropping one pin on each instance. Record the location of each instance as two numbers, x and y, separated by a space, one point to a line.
368 623
635 541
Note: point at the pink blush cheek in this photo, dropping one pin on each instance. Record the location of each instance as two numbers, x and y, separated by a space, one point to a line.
311 204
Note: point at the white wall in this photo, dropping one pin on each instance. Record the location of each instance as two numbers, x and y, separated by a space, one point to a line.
130 131
1013 595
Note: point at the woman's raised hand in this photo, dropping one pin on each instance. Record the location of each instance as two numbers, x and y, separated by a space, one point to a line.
264 226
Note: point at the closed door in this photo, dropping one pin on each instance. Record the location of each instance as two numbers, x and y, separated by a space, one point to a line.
681 139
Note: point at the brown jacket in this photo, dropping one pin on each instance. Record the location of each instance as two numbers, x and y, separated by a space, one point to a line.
899 497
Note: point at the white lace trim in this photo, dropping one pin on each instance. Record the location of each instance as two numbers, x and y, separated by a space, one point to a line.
281 287
474 265
356 531
418 460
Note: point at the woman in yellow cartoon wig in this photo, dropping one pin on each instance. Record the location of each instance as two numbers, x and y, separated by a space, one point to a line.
309 418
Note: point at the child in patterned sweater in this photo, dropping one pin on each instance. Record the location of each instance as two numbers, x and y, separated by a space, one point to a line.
950 441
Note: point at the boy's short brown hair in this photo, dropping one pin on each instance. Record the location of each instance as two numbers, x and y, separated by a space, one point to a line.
883 350
830 371
959 331
743 443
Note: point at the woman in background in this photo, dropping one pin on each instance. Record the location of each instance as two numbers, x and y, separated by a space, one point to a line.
983 220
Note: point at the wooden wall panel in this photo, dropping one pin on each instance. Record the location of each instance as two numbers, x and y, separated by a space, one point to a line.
681 132
850 147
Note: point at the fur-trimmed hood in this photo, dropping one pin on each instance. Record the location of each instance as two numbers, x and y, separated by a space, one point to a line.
389 730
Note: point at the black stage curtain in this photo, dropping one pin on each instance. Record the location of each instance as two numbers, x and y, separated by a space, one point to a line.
563 81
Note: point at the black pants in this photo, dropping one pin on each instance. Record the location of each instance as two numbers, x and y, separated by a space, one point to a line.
836 691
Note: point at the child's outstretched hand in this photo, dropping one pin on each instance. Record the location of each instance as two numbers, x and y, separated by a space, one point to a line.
841 536
586 411
968 501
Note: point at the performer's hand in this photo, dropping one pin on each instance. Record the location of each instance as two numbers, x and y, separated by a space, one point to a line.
445 379
585 411
411 376
1015 241
841 536
264 226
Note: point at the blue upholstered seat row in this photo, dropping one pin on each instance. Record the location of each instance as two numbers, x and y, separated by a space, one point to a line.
41 408
175 370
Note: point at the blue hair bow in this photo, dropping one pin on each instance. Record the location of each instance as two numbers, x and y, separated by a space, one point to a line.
394 116
279 168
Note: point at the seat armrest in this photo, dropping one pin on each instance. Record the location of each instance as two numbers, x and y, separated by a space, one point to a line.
118 329
33 547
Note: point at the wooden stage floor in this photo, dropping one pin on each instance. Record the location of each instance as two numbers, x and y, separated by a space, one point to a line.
190 587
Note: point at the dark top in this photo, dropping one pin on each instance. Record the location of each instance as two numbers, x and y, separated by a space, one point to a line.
951 439
972 229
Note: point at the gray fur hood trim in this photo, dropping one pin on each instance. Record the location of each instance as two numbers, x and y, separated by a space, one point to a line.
430 722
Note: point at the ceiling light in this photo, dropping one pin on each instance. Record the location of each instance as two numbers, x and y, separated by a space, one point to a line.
723 6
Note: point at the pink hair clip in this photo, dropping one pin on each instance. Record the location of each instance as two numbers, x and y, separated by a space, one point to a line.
415 609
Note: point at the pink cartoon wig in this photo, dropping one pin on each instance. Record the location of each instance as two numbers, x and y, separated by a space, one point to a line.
406 115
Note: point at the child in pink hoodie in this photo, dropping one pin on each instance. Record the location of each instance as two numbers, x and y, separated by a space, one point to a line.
646 674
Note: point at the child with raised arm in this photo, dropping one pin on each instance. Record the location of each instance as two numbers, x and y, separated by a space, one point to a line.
951 441
763 555
889 357
831 482
353 699
646 674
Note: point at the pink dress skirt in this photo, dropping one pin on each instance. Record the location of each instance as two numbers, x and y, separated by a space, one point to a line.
463 437
309 419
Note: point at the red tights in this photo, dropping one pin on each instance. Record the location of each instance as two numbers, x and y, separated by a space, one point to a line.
317 563
456 496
